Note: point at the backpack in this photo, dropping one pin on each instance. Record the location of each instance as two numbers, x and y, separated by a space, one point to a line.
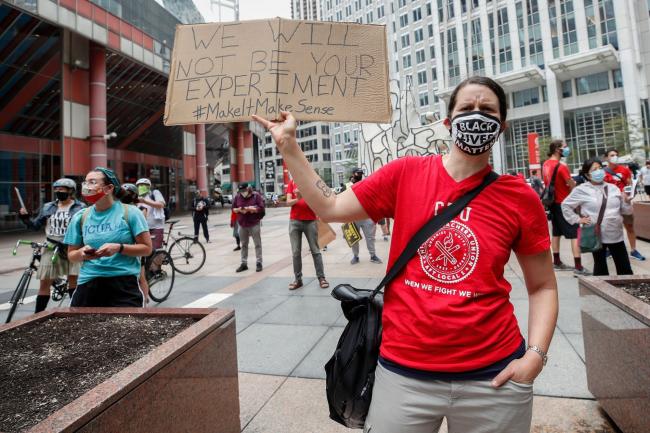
548 195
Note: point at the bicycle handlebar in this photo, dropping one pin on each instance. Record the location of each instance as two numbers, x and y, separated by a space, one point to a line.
35 245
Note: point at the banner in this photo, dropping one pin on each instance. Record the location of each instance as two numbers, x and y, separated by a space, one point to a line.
533 151
226 72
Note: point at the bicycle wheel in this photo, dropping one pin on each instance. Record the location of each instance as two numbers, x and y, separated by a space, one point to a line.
187 254
19 293
160 275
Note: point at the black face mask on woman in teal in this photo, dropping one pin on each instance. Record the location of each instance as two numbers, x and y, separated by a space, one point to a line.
475 132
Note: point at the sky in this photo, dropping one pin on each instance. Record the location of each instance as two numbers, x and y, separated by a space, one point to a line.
250 9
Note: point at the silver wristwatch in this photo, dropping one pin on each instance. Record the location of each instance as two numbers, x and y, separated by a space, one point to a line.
540 352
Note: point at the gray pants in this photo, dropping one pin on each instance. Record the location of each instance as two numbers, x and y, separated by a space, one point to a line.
245 234
368 227
310 229
406 405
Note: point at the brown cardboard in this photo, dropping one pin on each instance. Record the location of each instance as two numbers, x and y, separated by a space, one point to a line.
318 70
326 234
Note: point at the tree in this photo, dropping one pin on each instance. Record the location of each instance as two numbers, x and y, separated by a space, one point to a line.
627 134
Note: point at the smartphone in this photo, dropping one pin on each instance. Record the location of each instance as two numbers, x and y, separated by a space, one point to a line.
90 252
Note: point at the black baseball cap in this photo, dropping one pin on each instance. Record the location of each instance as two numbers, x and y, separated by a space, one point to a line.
357 170
243 185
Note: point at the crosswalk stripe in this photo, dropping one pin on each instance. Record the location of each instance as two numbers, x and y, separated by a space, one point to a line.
208 300
27 300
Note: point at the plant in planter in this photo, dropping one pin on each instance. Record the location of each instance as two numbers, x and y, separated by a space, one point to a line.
126 370
616 329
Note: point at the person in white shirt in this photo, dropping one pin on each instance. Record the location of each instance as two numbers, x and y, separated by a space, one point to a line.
589 197
645 177
153 202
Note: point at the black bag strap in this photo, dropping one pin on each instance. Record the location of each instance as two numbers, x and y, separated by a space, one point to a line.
557 167
432 226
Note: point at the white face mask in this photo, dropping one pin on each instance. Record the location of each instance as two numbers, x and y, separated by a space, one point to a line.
475 132
245 194
613 159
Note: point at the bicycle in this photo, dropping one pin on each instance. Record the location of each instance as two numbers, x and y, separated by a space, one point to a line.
160 274
59 285
187 253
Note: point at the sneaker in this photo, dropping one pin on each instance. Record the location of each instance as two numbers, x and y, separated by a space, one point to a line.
385 238
581 273
562 267
237 248
354 260
258 267
242 267
637 255
375 259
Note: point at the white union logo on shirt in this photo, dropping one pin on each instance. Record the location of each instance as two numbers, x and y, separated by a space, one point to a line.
451 254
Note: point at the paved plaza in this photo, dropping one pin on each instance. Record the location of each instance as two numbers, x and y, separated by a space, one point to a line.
285 337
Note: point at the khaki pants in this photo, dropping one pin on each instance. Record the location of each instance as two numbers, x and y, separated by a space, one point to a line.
406 405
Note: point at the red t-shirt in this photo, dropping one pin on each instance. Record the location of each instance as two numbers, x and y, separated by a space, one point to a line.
449 309
300 210
561 188
622 177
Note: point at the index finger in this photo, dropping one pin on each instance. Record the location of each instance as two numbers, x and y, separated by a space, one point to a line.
262 121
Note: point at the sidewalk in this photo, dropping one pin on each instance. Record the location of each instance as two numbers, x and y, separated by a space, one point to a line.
285 337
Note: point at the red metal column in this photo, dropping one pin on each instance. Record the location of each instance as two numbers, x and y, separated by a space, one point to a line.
98 151
241 169
201 163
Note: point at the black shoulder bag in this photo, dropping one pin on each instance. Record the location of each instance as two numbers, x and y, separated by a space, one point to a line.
548 195
351 370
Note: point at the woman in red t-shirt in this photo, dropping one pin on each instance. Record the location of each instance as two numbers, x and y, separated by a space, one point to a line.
451 346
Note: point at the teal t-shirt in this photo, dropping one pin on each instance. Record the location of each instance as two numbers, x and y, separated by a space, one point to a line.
104 227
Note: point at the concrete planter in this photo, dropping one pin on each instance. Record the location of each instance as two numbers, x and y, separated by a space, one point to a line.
642 219
616 329
187 384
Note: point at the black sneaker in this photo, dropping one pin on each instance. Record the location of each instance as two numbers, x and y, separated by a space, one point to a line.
237 248
258 268
242 267
375 259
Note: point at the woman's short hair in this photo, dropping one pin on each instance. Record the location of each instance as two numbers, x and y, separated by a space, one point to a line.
586 166
481 81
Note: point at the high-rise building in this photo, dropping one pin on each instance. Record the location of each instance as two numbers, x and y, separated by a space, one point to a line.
572 69
313 137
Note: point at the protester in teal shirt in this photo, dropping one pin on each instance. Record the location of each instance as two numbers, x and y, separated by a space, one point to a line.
108 237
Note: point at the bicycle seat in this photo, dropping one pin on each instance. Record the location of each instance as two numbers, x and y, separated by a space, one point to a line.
172 222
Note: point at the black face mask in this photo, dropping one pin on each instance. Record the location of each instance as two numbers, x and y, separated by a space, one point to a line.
61 195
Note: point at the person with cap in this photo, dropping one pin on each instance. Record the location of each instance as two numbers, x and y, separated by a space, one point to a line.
200 211
249 207
108 238
154 202
368 227
55 216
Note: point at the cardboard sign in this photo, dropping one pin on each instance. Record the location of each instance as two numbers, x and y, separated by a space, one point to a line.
351 234
317 70
326 234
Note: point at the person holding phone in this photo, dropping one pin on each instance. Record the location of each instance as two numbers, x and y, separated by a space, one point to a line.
249 207
108 238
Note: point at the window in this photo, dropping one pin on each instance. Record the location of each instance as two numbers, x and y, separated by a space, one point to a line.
608 23
505 52
326 143
463 6
420 57
450 9
406 61
441 11
555 40
429 9
521 32
404 20
618 78
432 51
327 157
417 15
492 43
357 5
402 3
535 49
348 11
395 45
422 77
523 98
590 15
453 63
544 94
380 12
424 99
569 33
478 60
567 91
268 152
325 130
406 41
430 28
369 17
434 75
592 83
346 137
419 35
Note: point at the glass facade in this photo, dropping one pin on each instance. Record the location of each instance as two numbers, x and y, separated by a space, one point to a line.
478 61
516 141
505 50
608 23
569 33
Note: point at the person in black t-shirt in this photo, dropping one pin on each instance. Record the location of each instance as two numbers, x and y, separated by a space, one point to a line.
200 211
